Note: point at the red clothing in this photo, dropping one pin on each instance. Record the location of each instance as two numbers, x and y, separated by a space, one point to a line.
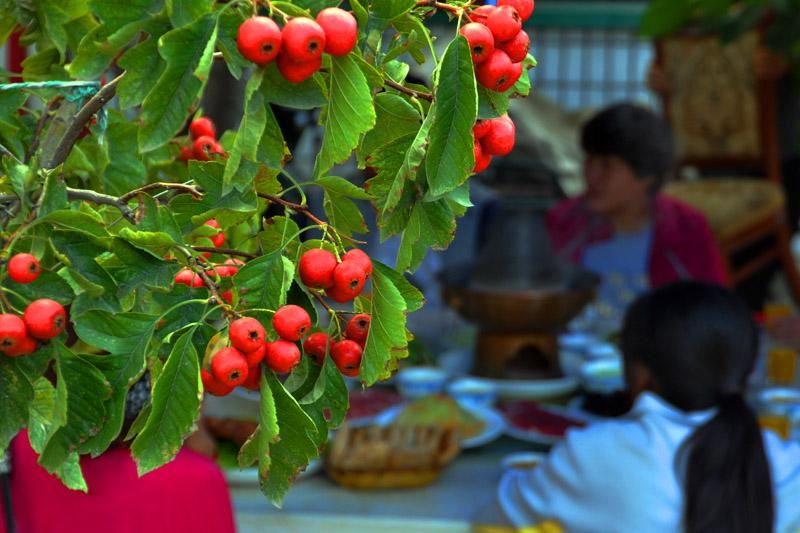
187 495
683 246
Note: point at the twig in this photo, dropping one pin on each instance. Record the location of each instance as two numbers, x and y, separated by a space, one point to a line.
327 306
301 208
408 91
7 307
128 196
103 199
224 251
51 106
439 5
212 287
5 151
83 116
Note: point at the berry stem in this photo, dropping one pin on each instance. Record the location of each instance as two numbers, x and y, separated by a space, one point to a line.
212 287
295 185
302 208
330 309
128 196
439 5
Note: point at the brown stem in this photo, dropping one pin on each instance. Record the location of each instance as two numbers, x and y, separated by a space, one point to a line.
224 251
7 307
439 5
40 126
301 208
411 92
83 116
327 306
102 199
5 151
128 196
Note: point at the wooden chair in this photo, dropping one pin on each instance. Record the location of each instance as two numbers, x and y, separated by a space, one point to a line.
721 102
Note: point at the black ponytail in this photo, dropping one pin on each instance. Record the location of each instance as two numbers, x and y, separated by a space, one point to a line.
699 344
728 486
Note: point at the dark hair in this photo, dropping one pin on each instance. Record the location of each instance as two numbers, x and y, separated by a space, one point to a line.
636 135
699 343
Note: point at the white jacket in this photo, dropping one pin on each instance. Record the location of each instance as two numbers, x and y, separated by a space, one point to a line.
620 475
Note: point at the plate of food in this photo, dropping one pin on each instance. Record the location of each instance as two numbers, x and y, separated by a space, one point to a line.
476 426
532 422
365 405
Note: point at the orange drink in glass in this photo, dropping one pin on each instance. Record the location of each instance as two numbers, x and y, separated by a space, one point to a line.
779 410
781 365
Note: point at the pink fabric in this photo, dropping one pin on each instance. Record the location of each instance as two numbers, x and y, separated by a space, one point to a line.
683 245
188 494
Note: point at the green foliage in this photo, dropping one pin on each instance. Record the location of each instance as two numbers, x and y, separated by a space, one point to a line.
113 218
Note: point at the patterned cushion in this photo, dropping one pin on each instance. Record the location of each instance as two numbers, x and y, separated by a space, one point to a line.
730 205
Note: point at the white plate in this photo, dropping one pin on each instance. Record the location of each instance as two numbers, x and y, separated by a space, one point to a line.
249 476
535 437
539 389
494 424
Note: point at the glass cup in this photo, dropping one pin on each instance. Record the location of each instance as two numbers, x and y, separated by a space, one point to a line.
781 365
779 411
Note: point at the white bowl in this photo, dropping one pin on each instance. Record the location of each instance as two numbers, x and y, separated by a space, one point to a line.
419 381
603 351
473 392
603 376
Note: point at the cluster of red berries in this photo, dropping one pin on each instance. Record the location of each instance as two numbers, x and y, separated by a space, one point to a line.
299 45
342 280
492 137
204 141
345 353
190 278
498 43
42 320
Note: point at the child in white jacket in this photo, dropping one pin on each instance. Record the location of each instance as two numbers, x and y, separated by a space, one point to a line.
690 455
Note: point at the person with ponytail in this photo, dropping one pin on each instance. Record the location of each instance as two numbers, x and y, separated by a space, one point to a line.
690 455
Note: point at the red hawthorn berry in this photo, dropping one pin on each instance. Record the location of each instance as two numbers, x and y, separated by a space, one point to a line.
523 7
227 296
25 346
186 154
202 126
495 71
259 40
218 239
514 75
483 162
348 280
481 128
229 367
358 328
44 318
253 381
291 322
282 356
303 40
481 41
12 332
346 355
256 356
316 268
341 30
500 140
359 257
24 268
204 147
246 334
212 385
189 278
504 22
294 72
480 14
517 47
316 346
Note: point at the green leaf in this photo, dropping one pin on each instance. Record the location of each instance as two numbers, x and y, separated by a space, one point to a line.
413 297
175 407
307 94
386 342
157 218
138 268
315 6
47 285
157 242
432 225
100 46
395 118
251 129
87 390
183 12
81 250
450 157
264 282
125 170
343 214
391 9
143 67
78 221
227 31
664 17
342 187
188 52
116 14
350 113
278 233
285 452
326 403
54 194
16 393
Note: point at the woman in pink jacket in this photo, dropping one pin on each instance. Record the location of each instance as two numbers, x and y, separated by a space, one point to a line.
622 227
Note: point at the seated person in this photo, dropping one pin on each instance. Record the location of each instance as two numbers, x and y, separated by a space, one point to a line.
622 228
188 494
690 456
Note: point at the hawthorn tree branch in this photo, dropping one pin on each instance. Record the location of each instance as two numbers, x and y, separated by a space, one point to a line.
303 209
102 199
95 103
128 196
5 151
406 90
224 251
439 5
